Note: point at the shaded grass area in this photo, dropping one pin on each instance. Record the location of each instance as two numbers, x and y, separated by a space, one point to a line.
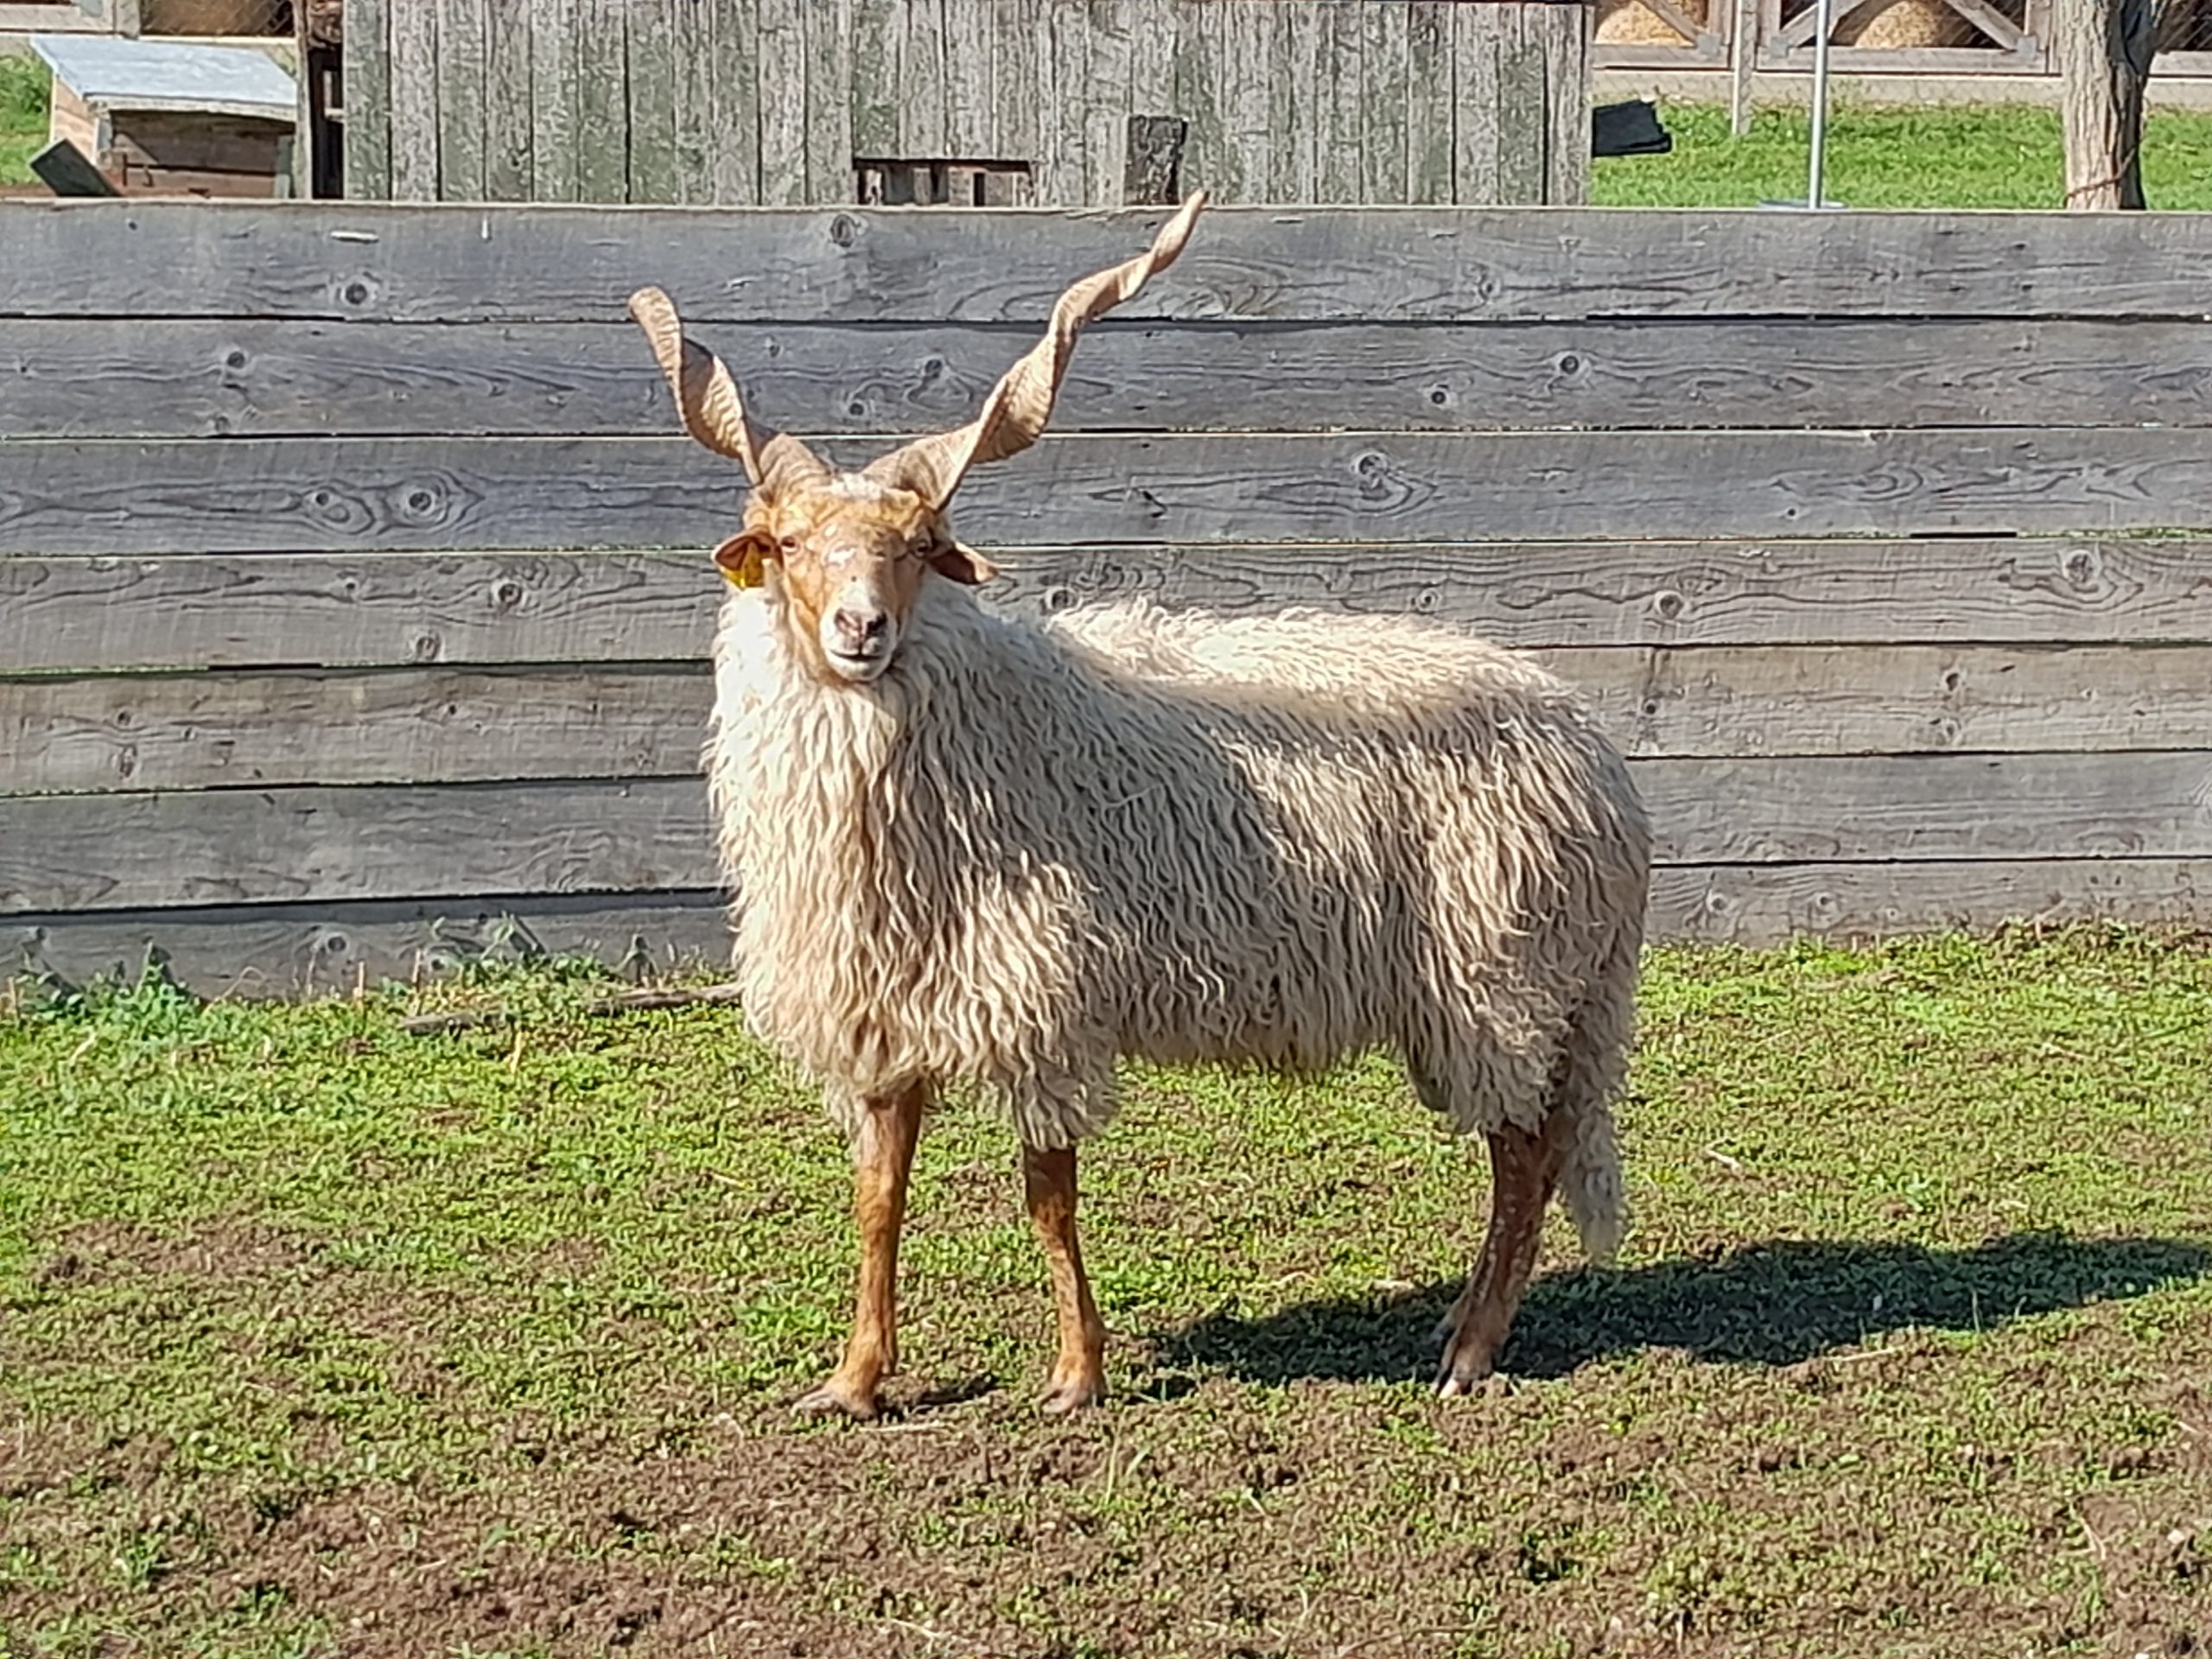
23 82
1957 158
318 1338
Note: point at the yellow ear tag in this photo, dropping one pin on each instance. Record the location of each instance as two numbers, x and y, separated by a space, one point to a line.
740 562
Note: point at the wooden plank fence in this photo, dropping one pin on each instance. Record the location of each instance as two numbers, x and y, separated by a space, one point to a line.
353 604
1030 102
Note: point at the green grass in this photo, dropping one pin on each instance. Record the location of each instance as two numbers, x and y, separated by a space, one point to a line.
1958 158
318 1337
22 116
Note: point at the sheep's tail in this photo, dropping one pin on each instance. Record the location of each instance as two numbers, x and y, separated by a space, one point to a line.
1595 1067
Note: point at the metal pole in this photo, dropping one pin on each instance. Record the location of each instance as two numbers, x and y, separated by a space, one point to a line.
1814 199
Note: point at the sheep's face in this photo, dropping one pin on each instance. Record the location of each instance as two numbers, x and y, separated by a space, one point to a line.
849 554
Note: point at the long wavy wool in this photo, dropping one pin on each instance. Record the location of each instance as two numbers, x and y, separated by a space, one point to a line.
1029 849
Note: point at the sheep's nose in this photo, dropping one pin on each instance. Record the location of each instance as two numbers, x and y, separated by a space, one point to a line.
861 628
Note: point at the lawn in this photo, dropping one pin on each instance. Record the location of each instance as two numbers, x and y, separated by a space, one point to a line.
317 1337
22 116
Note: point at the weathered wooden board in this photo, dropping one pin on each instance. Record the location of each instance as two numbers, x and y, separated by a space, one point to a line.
147 732
451 263
430 495
255 951
262 951
1765 904
114 851
78 614
252 377
107 852
368 100
142 732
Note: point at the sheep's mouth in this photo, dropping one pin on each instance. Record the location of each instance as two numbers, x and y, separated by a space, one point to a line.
863 664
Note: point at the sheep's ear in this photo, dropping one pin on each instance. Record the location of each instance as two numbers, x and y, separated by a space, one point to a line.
744 557
962 564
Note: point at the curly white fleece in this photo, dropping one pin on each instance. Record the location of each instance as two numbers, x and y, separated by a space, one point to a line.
1029 849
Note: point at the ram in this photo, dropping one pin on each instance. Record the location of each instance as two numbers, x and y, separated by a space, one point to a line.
971 850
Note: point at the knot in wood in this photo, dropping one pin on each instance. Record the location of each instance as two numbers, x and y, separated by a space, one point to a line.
844 230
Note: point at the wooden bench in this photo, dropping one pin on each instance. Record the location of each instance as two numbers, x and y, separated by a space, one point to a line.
354 604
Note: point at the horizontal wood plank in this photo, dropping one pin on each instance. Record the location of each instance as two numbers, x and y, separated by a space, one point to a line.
113 496
282 951
143 731
446 262
119 851
259 950
1759 904
257 378
149 732
79 613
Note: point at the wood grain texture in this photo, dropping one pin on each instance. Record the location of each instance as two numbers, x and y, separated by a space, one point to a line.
368 102
195 378
649 39
461 74
1766 904
829 148
781 90
455 262
1477 132
972 41
1883 808
72 615
282 951
157 732
414 71
555 106
113 496
259 951
125 850
602 101
161 732
694 103
1382 104
924 122
120 851
1429 109
734 161
508 127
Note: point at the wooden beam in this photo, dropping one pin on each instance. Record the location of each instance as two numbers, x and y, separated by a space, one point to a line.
509 263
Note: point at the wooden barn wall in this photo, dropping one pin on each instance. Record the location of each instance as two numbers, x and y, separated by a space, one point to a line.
747 101
1877 539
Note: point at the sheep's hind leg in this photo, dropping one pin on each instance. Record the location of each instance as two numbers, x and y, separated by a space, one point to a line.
1078 1378
883 1156
1524 1170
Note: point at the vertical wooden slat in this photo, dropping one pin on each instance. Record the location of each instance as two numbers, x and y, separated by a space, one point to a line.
1067 137
1337 88
1293 101
782 83
1207 162
1151 55
554 99
461 92
692 103
1017 99
1383 115
923 127
649 53
507 124
878 36
1106 102
829 101
733 136
1428 101
970 40
1249 76
1522 124
602 102
367 131
414 101
1566 30
1475 105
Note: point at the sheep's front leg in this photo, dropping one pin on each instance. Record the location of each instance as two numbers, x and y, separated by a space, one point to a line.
883 1156
1079 1377
1524 1169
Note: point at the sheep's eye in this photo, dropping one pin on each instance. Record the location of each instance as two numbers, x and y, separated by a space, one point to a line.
788 545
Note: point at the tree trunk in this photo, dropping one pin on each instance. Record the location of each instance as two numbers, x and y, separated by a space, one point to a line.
2104 49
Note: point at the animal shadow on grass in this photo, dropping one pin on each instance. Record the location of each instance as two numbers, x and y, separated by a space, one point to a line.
1767 1304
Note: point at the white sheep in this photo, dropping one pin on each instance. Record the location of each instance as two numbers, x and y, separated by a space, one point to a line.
968 848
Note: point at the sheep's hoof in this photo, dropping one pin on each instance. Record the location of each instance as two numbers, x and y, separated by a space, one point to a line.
1065 1399
1466 1365
835 1399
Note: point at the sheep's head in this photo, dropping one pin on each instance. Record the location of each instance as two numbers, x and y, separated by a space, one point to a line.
849 552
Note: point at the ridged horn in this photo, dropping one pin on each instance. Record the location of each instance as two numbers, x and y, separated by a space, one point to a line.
713 412
1016 414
